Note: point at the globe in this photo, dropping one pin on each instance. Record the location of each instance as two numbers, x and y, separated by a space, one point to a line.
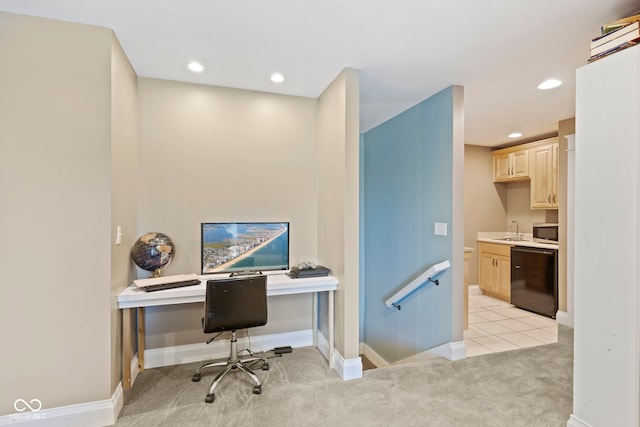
153 252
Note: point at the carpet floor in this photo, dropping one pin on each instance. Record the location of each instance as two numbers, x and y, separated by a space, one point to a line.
528 387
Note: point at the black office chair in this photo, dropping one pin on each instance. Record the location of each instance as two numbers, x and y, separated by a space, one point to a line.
232 304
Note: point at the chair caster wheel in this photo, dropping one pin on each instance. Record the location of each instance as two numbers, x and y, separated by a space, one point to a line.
265 367
257 389
196 377
210 398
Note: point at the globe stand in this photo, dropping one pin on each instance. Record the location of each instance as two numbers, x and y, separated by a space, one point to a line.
157 273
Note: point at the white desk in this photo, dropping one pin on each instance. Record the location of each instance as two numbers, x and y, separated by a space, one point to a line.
277 284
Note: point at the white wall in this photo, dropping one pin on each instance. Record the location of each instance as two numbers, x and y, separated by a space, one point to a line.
607 241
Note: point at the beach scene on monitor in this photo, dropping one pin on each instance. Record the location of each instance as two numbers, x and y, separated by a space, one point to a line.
237 247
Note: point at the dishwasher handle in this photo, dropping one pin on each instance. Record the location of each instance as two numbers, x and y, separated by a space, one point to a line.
527 249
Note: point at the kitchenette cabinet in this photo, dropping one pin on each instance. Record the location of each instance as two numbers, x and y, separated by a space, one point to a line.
510 164
544 176
536 162
495 270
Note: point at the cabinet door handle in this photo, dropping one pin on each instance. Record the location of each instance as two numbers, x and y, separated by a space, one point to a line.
549 198
554 199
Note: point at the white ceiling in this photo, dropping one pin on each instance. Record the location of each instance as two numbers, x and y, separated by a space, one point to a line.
405 50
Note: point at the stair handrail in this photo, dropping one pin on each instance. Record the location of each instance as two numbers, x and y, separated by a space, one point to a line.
426 276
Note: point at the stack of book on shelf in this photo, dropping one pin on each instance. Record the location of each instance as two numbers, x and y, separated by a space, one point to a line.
616 36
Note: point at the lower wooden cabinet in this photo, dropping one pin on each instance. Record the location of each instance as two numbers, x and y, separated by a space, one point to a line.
494 276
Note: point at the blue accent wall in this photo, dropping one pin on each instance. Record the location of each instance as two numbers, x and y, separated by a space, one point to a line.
407 187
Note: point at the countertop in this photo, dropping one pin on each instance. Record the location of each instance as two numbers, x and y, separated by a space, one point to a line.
498 237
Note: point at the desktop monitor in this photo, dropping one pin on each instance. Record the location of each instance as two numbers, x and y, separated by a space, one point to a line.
239 247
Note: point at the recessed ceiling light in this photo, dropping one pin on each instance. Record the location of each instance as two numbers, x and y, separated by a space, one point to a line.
277 78
549 84
196 67
515 135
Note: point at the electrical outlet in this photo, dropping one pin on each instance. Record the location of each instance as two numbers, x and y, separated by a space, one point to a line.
440 229
118 235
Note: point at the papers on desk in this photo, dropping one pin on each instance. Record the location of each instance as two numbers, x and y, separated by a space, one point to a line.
167 282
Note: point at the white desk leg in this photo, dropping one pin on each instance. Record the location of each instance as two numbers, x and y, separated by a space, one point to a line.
314 319
331 332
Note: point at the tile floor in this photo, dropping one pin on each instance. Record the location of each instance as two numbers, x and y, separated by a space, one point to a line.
496 325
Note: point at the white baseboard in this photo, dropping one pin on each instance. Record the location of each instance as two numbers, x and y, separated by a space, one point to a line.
98 413
563 318
176 355
576 422
455 350
348 369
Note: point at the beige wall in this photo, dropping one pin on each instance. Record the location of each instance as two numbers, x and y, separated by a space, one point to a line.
485 203
457 222
565 127
55 212
218 154
338 201
124 172
519 208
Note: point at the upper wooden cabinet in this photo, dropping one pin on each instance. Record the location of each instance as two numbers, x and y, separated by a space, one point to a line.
510 164
536 161
544 176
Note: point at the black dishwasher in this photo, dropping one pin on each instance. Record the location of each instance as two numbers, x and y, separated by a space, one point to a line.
534 279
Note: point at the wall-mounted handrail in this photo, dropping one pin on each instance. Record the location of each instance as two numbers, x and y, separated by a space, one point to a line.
417 282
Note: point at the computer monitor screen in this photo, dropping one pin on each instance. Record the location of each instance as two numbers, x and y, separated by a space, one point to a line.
234 247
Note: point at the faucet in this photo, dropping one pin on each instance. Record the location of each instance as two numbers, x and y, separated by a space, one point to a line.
517 230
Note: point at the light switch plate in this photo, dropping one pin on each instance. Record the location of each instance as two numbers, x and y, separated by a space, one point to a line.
118 235
440 229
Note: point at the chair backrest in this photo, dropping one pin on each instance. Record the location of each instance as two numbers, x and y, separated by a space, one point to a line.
235 303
